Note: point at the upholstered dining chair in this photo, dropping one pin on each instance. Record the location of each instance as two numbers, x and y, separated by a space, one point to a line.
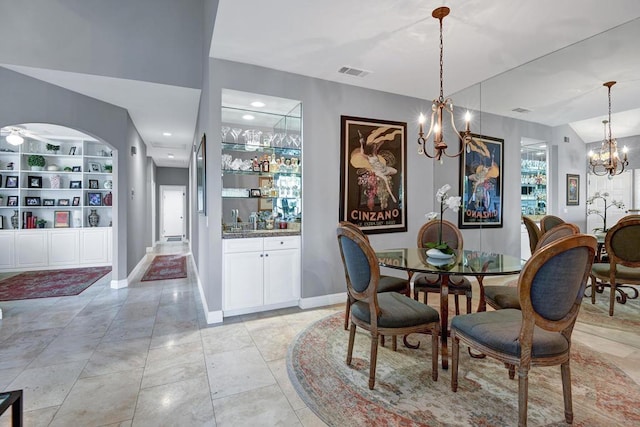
621 245
549 221
386 283
382 314
430 283
550 289
506 296
533 231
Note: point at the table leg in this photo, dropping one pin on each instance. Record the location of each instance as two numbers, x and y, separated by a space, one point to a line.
16 412
482 304
444 319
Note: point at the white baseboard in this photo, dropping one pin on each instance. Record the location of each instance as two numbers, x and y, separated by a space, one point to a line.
211 316
323 300
240 311
119 284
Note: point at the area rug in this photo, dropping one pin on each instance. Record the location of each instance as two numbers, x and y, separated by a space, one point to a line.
164 267
405 395
50 283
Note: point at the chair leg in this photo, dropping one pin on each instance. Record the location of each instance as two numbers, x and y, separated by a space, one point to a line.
372 361
455 352
347 312
435 335
523 395
457 304
593 288
612 297
352 336
469 296
512 370
566 391
382 340
394 343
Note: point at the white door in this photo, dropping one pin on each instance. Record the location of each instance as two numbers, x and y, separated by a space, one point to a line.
172 221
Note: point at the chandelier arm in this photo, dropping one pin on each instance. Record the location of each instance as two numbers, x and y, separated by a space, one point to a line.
458 134
426 138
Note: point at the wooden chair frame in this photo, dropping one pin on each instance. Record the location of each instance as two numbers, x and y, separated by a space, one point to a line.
449 229
533 231
351 226
614 261
549 221
370 296
531 318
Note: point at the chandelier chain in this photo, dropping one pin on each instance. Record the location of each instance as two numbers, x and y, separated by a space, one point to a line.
609 124
441 63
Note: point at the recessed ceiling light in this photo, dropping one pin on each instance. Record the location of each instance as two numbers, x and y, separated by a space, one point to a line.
248 117
257 104
166 133
543 146
171 156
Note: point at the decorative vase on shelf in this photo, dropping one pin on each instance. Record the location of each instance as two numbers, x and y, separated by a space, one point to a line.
93 218
14 219
108 184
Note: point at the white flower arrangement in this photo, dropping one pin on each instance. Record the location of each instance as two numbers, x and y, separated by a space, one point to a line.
446 202
602 214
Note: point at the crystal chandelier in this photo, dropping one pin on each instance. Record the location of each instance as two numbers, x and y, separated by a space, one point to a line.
607 161
438 109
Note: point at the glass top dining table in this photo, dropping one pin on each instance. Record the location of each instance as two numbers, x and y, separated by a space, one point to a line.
466 262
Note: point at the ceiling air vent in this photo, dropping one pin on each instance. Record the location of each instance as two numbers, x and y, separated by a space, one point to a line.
521 110
353 71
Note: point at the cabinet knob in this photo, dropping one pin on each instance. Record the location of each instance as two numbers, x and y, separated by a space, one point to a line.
266 254
282 243
261 255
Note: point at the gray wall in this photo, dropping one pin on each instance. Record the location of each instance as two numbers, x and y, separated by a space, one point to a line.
149 40
170 176
323 104
34 101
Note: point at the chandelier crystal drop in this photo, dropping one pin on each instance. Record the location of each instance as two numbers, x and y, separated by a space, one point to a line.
607 161
439 110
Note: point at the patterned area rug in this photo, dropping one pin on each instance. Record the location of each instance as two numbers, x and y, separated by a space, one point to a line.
50 283
405 395
164 267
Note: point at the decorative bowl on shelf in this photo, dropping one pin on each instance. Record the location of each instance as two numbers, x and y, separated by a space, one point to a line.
53 168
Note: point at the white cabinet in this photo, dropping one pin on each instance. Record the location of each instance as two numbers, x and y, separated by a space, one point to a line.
31 248
64 247
8 249
260 273
94 245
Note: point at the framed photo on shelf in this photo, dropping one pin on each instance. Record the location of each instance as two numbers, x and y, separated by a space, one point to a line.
48 202
265 203
95 167
373 174
72 151
61 219
255 192
11 182
573 190
34 182
94 199
75 184
63 202
93 184
76 201
32 201
76 169
481 183
12 201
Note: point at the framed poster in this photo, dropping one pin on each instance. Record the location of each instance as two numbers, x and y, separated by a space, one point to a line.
373 174
573 190
201 173
481 183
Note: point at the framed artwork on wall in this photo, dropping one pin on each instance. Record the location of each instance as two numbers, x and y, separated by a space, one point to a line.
481 183
201 172
373 174
573 190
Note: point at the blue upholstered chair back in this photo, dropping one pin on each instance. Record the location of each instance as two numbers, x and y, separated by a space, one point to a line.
552 282
623 240
356 263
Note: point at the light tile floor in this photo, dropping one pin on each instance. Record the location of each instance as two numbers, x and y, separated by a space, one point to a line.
144 356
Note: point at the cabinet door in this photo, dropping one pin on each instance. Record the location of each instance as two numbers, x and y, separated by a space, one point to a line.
64 247
93 246
242 274
281 276
7 252
31 248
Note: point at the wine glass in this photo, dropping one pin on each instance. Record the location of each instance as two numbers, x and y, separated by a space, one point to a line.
224 131
235 133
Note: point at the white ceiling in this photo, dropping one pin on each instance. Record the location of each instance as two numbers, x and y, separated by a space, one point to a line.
568 48
547 56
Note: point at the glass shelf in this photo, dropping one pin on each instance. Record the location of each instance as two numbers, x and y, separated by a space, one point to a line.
285 151
270 174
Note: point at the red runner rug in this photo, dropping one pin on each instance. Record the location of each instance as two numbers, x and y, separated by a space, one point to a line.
50 283
164 267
